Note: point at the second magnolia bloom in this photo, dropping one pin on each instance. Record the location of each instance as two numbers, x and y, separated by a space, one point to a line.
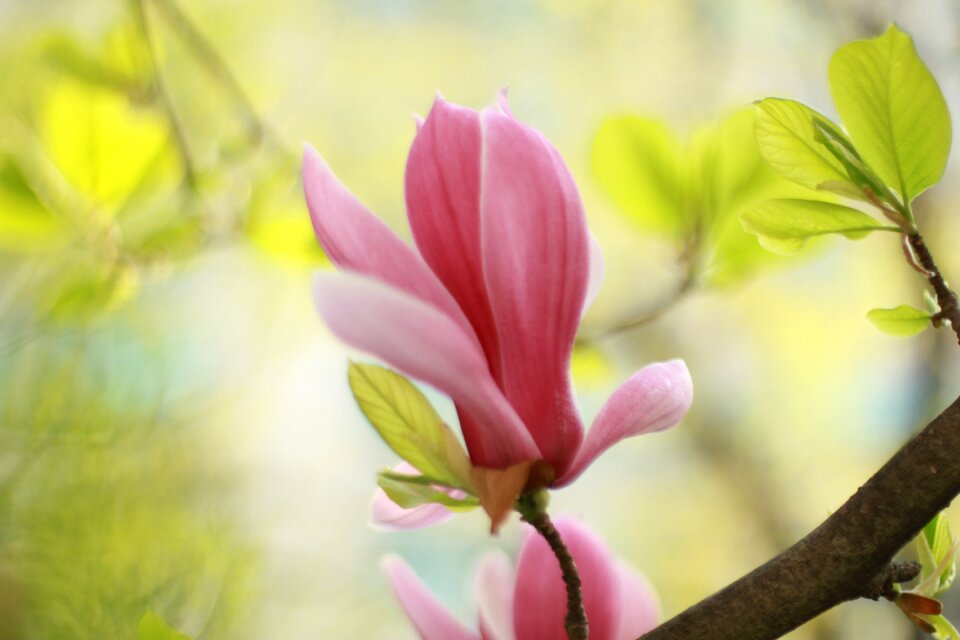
529 602
486 309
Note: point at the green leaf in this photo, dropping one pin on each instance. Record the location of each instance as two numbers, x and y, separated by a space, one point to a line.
902 321
943 630
783 226
153 627
409 425
413 491
641 164
788 141
894 110
936 548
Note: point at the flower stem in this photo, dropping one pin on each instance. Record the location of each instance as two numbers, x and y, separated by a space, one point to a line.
532 508
946 298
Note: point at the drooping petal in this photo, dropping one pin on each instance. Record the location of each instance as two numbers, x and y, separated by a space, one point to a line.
425 343
442 185
653 399
357 240
387 514
540 599
598 268
431 620
640 606
494 589
536 268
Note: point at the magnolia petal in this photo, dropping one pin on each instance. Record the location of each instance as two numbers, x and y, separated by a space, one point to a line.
442 186
653 399
386 514
357 240
598 268
431 620
425 343
540 599
494 590
640 606
536 268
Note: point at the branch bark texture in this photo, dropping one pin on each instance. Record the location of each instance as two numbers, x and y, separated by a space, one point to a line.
842 559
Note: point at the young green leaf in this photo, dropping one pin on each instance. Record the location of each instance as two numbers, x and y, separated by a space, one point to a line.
783 226
641 164
942 628
412 491
903 321
894 110
409 425
788 141
153 627
936 548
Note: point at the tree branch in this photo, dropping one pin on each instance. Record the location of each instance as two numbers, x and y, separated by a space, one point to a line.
846 557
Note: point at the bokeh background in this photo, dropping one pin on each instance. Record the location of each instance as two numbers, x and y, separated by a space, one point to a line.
176 432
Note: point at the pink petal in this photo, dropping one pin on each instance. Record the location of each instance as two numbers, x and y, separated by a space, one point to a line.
425 343
431 620
494 588
640 606
653 399
442 187
536 268
357 240
387 514
540 599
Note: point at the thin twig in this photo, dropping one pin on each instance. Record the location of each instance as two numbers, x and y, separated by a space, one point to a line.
204 51
533 511
160 90
946 298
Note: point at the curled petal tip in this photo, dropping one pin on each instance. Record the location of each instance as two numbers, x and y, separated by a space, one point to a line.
418 121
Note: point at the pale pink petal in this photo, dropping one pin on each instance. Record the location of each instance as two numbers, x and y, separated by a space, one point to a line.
540 599
598 267
494 588
429 617
357 240
442 185
536 267
425 343
653 399
387 514
640 608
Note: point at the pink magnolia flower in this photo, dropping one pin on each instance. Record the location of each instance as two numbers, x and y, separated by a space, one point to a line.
530 604
486 308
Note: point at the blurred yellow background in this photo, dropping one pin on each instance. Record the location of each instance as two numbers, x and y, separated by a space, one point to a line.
176 431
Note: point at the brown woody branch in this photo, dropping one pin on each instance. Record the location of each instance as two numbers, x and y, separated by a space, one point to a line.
843 559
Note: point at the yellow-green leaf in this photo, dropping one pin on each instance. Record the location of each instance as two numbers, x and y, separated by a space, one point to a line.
641 164
894 110
787 139
783 226
102 144
409 492
409 425
902 321
153 627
